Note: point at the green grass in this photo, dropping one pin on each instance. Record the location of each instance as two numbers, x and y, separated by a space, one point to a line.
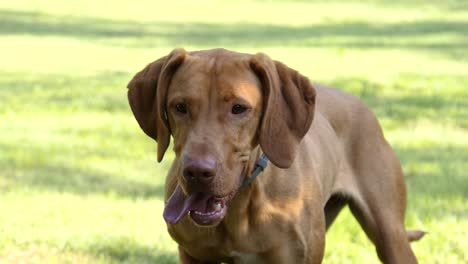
79 182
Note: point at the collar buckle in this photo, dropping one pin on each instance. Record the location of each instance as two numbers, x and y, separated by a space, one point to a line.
260 165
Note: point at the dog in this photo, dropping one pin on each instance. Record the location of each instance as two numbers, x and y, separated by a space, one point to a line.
265 160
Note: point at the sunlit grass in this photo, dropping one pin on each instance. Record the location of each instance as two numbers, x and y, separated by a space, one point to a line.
79 181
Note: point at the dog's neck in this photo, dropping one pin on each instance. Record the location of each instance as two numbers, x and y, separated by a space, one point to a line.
250 166
259 166
247 196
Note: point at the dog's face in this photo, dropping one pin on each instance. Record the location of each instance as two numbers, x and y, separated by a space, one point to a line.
213 107
218 106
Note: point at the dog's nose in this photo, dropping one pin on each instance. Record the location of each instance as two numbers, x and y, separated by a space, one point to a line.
199 169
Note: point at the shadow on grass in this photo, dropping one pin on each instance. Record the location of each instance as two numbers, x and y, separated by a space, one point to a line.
80 181
413 97
435 169
404 35
430 107
447 5
52 166
35 169
124 250
436 180
58 92
403 108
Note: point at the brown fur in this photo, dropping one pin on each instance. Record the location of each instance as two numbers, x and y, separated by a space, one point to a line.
326 150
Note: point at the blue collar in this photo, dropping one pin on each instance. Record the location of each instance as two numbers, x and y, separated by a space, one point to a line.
261 164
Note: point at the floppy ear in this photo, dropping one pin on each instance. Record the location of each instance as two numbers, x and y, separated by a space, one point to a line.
288 108
147 97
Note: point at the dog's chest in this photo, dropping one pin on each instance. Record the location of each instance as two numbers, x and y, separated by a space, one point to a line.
245 258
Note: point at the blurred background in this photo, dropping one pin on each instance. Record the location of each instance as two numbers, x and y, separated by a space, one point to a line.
79 181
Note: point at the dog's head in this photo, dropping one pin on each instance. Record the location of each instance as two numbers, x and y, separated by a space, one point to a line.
219 106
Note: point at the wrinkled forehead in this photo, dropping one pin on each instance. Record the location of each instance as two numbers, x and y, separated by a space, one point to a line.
215 77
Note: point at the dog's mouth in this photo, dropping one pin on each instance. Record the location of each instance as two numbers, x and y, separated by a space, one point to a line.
204 209
210 211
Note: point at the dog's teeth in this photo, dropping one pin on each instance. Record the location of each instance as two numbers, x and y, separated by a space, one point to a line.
217 206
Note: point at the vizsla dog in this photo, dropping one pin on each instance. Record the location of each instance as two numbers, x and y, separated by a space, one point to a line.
232 115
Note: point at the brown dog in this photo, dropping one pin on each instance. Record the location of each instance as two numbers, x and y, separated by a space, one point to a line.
223 110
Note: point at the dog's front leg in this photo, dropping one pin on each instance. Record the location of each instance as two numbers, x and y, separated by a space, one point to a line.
295 253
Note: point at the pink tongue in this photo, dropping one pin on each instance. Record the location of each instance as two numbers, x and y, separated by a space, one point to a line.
178 205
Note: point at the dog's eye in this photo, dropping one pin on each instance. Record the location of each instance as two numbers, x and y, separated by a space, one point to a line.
181 108
238 109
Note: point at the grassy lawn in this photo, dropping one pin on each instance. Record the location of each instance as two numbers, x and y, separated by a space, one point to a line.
79 181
